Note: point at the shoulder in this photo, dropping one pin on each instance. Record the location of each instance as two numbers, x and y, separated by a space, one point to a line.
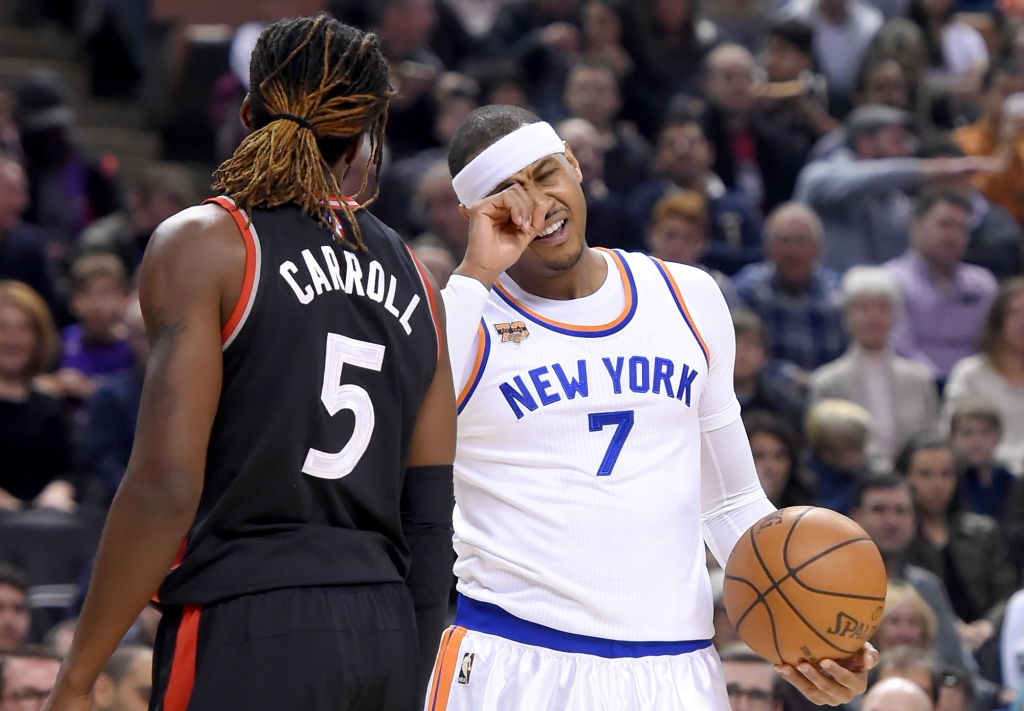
27 237
975 525
758 272
969 367
979 277
45 404
830 373
196 235
867 16
912 370
961 32
924 581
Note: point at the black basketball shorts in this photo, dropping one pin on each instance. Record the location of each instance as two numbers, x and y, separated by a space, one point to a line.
309 649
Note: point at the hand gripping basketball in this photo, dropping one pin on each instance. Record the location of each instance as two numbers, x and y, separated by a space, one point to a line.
804 587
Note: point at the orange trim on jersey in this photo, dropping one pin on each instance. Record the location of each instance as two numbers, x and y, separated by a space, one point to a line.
682 306
431 299
183 664
250 267
627 309
445 668
481 350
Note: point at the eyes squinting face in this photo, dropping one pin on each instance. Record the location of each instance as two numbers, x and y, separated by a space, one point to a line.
553 182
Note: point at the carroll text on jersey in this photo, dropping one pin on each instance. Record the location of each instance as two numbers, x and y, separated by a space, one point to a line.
374 285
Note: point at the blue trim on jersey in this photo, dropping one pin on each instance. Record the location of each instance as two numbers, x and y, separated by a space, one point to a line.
491 619
580 333
682 309
478 376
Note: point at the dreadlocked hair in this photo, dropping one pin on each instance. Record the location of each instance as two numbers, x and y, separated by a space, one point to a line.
316 85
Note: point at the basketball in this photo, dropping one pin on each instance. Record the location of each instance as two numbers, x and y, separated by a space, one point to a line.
805 584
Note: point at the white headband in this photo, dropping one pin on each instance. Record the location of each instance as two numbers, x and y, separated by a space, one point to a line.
503 159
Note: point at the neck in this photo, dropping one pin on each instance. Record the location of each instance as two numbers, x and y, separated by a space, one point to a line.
894 564
942 273
794 287
872 349
12 388
580 280
698 183
835 14
1010 365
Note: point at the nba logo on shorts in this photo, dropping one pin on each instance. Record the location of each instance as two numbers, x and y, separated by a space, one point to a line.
514 332
466 668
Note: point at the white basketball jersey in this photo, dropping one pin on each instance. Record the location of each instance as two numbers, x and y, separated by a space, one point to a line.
577 474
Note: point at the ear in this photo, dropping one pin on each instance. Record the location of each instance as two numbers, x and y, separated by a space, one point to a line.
573 163
353 150
245 113
103 692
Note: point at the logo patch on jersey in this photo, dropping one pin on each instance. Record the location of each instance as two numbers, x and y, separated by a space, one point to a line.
466 668
515 332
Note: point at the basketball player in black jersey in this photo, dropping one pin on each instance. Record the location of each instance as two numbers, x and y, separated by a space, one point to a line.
293 460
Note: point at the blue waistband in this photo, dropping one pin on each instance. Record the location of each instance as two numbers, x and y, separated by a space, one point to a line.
491 619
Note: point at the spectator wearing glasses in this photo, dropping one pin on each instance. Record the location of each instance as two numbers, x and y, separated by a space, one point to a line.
15 616
27 678
750 681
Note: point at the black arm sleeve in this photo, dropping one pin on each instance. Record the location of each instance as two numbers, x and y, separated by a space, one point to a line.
427 501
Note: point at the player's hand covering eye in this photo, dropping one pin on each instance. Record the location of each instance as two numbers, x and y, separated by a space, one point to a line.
501 227
841 681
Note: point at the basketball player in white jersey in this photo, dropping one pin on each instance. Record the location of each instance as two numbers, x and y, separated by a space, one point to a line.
599 447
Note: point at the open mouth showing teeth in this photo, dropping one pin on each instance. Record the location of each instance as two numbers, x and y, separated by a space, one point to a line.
552 229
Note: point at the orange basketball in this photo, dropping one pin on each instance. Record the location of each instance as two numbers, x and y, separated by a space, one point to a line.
805 584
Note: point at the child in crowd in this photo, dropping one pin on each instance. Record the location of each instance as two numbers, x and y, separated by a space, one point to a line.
975 431
837 435
98 344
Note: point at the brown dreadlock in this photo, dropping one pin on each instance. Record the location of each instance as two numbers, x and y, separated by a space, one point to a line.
316 86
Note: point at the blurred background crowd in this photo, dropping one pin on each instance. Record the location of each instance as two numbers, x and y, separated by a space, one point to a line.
851 172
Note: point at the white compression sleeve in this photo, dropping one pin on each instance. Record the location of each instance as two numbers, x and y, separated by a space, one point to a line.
464 301
732 499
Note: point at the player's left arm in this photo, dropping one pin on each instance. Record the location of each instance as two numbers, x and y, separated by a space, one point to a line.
427 501
732 499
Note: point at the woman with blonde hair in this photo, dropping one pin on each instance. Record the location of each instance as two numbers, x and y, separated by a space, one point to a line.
34 442
908 620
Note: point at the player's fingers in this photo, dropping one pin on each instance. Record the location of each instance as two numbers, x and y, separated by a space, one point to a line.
843 676
539 215
803 685
521 207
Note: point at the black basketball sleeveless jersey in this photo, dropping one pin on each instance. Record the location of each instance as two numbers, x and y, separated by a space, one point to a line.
327 359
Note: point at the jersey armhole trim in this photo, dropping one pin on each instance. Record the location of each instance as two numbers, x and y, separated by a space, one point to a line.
677 296
483 350
431 300
250 282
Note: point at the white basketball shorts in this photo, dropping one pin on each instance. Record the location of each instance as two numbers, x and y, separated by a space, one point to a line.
520 671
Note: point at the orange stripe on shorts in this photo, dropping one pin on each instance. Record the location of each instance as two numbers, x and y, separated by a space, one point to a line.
445 667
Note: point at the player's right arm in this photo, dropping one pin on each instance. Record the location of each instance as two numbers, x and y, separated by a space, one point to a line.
501 227
190 278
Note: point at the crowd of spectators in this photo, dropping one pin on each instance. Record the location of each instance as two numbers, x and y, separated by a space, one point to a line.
850 172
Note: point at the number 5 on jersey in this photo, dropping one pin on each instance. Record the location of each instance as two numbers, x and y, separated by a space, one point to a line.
337 397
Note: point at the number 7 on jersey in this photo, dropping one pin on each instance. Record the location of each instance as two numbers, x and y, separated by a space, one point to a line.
623 420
